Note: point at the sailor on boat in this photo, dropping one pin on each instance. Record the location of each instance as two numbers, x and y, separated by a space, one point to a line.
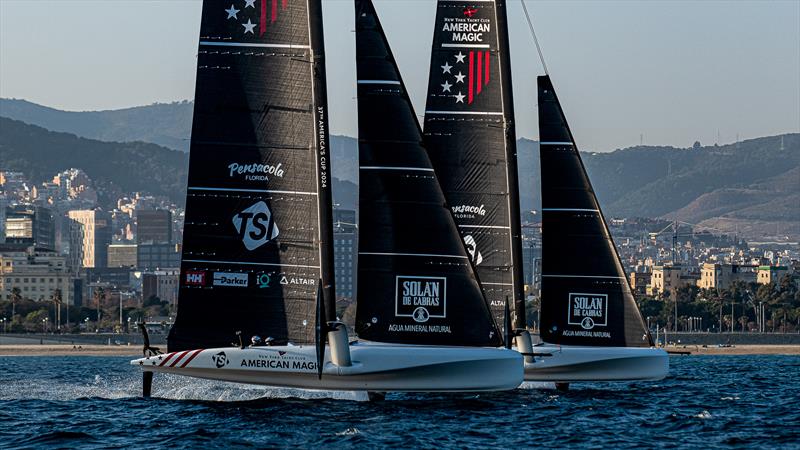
422 319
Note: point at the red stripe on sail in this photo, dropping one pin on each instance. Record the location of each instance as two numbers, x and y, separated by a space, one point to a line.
262 27
478 83
274 11
179 358
486 67
471 74
191 357
167 359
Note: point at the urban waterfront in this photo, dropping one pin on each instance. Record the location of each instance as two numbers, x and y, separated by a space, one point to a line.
92 402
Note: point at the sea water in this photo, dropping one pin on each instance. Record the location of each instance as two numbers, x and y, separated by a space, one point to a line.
93 402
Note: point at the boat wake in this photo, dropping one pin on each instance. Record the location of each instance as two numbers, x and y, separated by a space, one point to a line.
537 385
165 386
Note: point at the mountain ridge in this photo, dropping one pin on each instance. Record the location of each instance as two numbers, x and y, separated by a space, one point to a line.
723 187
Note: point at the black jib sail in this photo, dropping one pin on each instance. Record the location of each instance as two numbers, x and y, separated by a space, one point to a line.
469 134
415 281
258 219
586 298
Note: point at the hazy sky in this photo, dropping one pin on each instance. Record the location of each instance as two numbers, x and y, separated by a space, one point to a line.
673 71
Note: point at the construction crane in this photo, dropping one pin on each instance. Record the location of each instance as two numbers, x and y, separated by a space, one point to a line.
675 235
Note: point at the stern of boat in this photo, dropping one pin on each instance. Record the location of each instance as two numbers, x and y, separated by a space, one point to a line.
573 363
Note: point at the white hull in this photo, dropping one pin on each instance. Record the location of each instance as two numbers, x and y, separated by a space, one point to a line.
572 363
375 367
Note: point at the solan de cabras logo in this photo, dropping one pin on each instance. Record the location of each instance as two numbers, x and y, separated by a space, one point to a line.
421 298
256 226
588 310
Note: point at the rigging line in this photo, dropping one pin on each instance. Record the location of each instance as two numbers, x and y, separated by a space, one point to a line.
535 39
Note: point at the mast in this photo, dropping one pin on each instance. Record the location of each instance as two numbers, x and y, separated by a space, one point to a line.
324 174
586 296
469 134
415 284
258 220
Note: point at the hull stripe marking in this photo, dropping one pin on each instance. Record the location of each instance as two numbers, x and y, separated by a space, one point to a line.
167 359
191 357
179 358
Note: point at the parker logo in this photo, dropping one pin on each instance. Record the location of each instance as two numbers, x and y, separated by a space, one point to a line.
472 248
421 298
230 279
220 360
195 278
256 226
588 310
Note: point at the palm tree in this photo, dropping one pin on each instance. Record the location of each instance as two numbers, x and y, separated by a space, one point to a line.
99 296
16 296
56 299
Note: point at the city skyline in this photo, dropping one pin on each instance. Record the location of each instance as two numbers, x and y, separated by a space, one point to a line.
658 73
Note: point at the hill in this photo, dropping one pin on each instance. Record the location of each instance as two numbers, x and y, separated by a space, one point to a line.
165 124
750 185
113 166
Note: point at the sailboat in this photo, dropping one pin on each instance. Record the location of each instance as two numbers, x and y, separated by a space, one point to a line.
591 326
257 263
589 315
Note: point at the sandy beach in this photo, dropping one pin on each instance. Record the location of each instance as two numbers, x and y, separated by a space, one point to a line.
738 350
68 350
124 350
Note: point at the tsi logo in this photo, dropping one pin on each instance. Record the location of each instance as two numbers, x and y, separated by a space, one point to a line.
230 279
220 360
420 297
588 310
256 226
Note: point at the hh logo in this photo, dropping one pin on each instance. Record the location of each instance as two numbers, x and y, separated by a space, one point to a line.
195 278
421 297
256 226
588 310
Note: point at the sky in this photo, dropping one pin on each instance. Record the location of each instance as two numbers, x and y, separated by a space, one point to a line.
657 72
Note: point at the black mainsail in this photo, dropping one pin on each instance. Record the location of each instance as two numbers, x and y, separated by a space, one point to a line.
258 211
469 134
586 298
415 281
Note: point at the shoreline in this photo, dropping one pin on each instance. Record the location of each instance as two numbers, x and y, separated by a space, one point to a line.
135 350
70 350
761 349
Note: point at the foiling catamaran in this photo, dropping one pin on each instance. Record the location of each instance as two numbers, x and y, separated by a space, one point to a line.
590 324
257 259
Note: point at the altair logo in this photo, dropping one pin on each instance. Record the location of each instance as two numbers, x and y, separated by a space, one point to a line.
256 226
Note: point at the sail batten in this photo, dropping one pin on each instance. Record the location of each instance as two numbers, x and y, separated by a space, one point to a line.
258 226
586 298
415 281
